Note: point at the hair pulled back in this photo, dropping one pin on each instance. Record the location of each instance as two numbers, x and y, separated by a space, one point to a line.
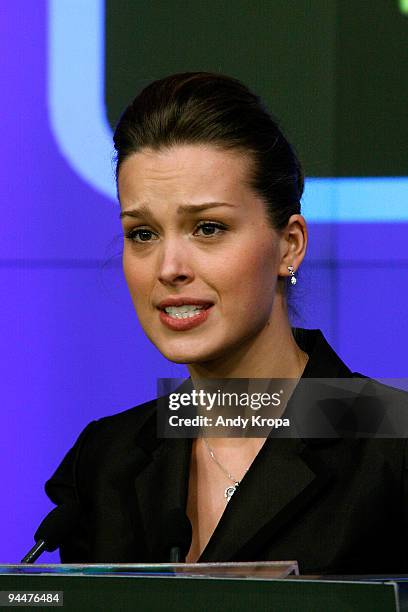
215 109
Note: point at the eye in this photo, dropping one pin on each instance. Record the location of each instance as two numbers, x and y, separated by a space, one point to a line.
140 234
209 228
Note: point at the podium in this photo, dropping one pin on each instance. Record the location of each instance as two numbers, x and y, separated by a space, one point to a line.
227 587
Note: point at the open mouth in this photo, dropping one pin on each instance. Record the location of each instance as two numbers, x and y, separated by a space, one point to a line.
183 318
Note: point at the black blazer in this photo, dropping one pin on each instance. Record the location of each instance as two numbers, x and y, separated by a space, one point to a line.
334 505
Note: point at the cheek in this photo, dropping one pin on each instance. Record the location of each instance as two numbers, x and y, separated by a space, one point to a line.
137 280
252 274
130 274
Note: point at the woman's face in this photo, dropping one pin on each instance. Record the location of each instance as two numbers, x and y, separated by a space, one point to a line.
196 233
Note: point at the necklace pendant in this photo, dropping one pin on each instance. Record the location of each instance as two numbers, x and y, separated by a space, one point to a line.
229 491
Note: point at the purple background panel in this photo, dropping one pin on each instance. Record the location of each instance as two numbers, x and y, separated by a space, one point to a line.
372 322
381 245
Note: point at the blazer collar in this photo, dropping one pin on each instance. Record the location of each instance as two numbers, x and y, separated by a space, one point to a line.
265 500
323 361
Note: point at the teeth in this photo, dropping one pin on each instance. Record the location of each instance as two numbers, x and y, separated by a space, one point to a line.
183 312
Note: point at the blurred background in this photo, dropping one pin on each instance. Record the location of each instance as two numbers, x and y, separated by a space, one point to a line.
72 349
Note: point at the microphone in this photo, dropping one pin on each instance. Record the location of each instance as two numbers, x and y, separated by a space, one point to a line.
177 535
53 530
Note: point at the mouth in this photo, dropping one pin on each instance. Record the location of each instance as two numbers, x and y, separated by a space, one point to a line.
185 316
185 311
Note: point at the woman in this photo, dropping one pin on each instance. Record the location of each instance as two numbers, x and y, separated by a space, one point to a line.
210 194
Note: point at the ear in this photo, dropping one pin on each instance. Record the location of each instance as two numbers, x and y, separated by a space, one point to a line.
293 244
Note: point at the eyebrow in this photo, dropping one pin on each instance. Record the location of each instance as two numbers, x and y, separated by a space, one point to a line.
144 211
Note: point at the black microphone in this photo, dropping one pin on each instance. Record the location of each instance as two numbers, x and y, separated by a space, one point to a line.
177 535
54 529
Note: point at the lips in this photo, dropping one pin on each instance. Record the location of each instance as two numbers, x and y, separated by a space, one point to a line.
184 324
188 323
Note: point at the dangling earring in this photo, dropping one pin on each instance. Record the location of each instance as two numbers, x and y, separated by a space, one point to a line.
293 279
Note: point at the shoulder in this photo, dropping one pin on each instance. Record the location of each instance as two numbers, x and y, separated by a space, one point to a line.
118 433
103 446
371 419
126 422
380 389
379 399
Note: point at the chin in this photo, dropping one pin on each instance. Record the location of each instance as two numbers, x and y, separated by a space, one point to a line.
189 354
184 357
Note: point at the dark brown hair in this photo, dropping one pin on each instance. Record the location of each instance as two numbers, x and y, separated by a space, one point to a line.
208 108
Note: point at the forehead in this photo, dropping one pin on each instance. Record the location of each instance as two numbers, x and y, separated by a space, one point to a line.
183 170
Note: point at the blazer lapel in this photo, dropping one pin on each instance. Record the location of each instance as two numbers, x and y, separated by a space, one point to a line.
161 486
265 501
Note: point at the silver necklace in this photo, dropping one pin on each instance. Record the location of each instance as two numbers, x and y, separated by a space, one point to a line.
230 490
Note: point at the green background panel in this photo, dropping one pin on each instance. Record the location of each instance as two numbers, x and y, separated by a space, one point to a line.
334 73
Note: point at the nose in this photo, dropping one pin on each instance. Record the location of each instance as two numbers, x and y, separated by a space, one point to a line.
174 264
